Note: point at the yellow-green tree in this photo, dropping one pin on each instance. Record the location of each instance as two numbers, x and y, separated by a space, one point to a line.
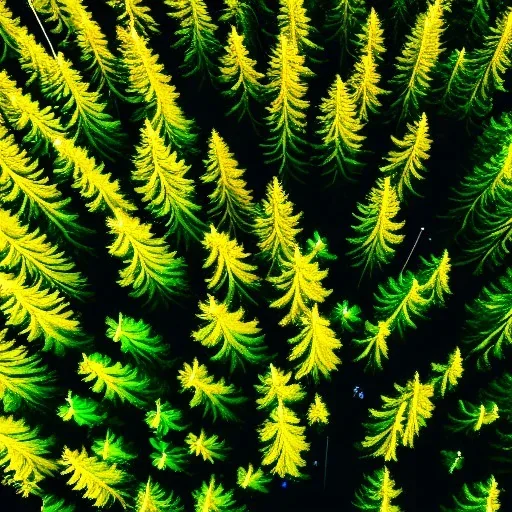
152 497
449 373
315 345
231 202
228 257
276 225
339 131
480 496
212 497
135 13
238 341
301 282
471 417
318 412
377 493
254 479
275 388
208 447
287 111
407 161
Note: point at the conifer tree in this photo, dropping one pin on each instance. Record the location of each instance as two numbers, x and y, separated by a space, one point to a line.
377 229
165 188
239 341
346 315
100 480
450 373
456 84
276 225
318 412
407 161
365 78
301 282
23 454
24 378
480 496
112 448
419 56
377 493
471 417
283 440
255 480
241 15
166 456
196 35
400 419
42 314
137 340
275 388
238 72
152 497
118 382
230 266
212 497
339 131
209 447
164 418
287 111
135 13
150 87
54 504
84 411
317 342
231 201
216 397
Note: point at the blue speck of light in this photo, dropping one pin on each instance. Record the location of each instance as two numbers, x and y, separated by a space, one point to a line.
284 484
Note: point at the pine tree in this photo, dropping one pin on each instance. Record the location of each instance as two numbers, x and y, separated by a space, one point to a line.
301 282
166 456
99 479
196 35
450 373
255 480
135 13
238 72
457 86
209 447
339 131
406 163
287 111
377 493
418 59
165 188
231 201
377 229
164 418
470 417
275 389
275 224
228 257
481 496
113 448
84 411
318 412
151 497
212 497
238 341
317 342
118 382
284 441
346 315
217 397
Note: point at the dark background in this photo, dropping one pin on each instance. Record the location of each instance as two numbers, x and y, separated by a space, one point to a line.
425 482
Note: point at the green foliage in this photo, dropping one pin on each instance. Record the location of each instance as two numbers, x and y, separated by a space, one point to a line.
287 111
53 504
228 256
135 13
452 460
165 188
256 480
231 201
164 418
479 497
24 378
339 131
166 456
419 56
24 456
377 493
240 340
137 340
209 447
216 397
275 389
488 328
346 315
317 342
377 229
400 419
275 224
301 282
323 253
213 498
99 479
152 270
450 373
112 448
42 314
149 87
406 163
84 411
123 383
284 440
196 35
238 72
456 85
498 391
470 417
151 497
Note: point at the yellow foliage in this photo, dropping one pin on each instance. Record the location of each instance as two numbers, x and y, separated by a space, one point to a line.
317 412
275 388
133 13
294 23
450 372
209 447
300 279
318 342
375 342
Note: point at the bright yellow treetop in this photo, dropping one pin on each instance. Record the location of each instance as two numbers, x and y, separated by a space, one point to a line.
450 373
317 342
208 447
275 388
294 22
318 412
